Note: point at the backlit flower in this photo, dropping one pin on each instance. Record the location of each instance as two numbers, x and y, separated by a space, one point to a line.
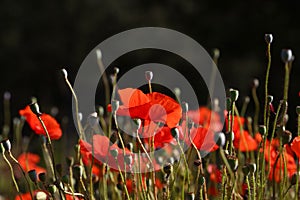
29 161
51 124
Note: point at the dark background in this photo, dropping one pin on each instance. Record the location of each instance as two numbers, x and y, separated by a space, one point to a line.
38 38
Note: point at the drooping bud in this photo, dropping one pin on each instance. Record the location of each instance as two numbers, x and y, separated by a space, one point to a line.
230 135
35 108
65 73
116 70
298 110
247 99
268 38
65 179
286 55
149 75
115 105
100 111
175 133
177 92
252 167
69 161
32 175
185 107
294 179
246 170
286 137
228 104
93 119
234 94
262 129
233 162
255 83
136 124
42 177
114 153
168 168
270 99
6 144
201 180
52 189
190 196
129 146
197 162
77 171
128 159
220 139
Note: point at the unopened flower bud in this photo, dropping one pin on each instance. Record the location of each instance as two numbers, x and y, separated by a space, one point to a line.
116 70
177 92
168 168
220 139
197 162
65 73
216 53
229 136
136 124
190 196
128 159
78 171
65 179
80 116
201 180
286 137
247 99
7 96
115 105
270 99
114 153
298 110
99 54
100 111
32 175
129 146
252 167
6 144
269 38
185 107
175 133
93 119
262 129
149 75
246 170
233 162
234 94
228 104
294 179
69 161
42 177
255 83
286 55
35 108
52 189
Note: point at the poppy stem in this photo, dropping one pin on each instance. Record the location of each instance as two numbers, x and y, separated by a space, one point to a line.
11 169
150 87
266 83
256 114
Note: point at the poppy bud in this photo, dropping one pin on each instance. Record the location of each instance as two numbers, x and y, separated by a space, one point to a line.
233 162
40 195
65 179
129 146
99 54
116 70
185 107
216 53
168 168
177 92
286 55
220 139
298 110
114 153
42 177
35 108
69 161
120 186
114 136
234 94
230 135
294 179
286 137
52 189
262 129
190 124
137 124
228 104
65 73
197 162
252 167
80 116
32 175
201 180
190 196
269 38
149 75
247 99
7 145
100 111
255 83
270 99
246 170
175 133
128 159
93 119
115 105
7 96
77 171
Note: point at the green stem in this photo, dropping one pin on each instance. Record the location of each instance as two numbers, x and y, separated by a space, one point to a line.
266 83
256 115
286 82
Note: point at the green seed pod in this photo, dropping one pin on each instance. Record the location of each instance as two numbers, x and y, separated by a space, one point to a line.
128 159
100 111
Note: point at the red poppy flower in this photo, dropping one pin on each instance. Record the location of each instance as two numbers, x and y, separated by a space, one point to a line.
129 184
295 145
244 141
206 118
51 124
279 168
70 197
203 139
238 124
215 173
102 148
29 161
154 107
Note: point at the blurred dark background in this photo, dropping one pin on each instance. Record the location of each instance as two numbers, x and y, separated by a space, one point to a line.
38 38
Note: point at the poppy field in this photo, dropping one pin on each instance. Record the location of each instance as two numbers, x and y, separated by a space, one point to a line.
145 145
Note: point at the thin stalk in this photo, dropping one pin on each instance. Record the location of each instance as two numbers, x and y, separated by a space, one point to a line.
266 83
286 82
123 180
256 115
105 79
